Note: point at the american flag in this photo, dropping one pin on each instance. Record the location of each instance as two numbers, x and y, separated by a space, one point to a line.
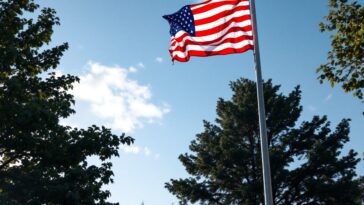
214 27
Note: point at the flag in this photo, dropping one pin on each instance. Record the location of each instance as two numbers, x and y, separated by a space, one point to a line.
214 27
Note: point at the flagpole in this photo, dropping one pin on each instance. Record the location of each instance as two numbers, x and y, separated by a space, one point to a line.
268 196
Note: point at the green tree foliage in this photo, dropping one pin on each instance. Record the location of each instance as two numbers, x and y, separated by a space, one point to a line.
361 182
306 161
41 161
345 61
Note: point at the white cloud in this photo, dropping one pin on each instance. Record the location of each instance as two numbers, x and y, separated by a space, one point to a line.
141 65
159 59
136 150
147 151
58 73
328 97
114 99
132 69
131 149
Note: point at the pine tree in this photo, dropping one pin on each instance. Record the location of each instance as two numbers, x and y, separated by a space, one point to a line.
307 165
41 161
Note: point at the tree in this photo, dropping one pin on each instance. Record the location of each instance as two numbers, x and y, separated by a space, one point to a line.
306 161
361 182
41 161
345 61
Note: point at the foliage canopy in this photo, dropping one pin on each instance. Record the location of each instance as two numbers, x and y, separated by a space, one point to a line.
345 61
42 161
307 164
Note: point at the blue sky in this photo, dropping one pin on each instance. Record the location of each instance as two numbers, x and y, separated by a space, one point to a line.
120 51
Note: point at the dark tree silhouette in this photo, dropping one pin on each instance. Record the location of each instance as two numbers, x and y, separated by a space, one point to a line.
307 165
41 161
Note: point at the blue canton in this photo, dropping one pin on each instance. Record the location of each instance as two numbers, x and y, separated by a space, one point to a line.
181 20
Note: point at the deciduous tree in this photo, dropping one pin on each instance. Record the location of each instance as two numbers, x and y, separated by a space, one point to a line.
345 61
42 161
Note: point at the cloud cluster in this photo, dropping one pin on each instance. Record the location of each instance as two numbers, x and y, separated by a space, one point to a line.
141 65
117 100
159 59
146 151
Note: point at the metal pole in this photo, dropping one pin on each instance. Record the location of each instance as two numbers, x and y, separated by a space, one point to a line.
268 196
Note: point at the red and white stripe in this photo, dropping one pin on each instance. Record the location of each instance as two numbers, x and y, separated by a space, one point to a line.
221 26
